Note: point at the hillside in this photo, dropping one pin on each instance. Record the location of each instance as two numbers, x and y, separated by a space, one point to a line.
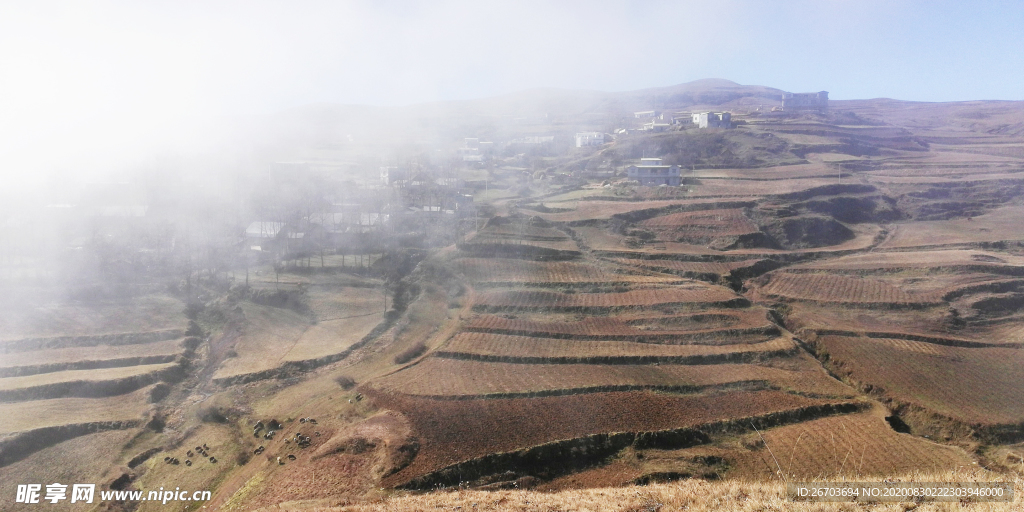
826 295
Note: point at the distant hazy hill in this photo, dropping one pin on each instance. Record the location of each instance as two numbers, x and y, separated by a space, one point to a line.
421 121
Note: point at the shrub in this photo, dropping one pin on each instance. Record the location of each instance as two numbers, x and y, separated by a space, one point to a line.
159 392
212 414
194 329
345 381
191 342
242 457
411 353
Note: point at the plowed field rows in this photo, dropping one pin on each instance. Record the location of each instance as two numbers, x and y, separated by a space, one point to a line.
655 328
738 188
503 270
859 444
842 289
957 259
480 379
977 385
692 267
728 222
692 293
503 346
557 245
515 229
1011 332
488 426
584 210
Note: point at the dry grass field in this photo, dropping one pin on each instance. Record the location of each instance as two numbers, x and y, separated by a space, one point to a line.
339 317
10 384
1002 224
695 495
141 314
30 415
93 458
42 361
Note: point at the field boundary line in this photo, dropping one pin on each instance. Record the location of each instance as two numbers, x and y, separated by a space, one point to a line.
87 364
693 359
935 340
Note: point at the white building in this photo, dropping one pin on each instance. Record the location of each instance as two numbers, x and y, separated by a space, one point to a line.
391 176
589 139
651 172
713 119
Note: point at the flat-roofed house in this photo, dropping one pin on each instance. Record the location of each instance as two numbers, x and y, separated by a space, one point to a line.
651 172
713 119
584 139
805 101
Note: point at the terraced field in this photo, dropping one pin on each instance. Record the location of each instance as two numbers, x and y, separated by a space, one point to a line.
469 379
959 260
34 414
339 318
69 371
63 320
504 348
504 271
976 385
691 293
501 425
101 382
501 232
1002 224
602 210
830 288
701 225
81 358
851 445
710 327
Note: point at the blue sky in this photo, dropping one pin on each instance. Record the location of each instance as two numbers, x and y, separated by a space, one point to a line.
102 78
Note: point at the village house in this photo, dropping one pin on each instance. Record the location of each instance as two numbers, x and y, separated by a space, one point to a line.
712 119
393 176
584 139
805 101
263 235
651 172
